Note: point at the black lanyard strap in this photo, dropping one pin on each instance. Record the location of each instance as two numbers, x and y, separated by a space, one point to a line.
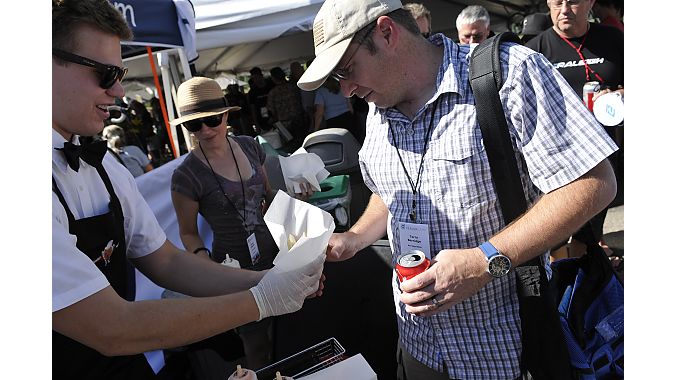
414 186
242 216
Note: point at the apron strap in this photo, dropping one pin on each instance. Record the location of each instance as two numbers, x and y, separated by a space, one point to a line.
55 189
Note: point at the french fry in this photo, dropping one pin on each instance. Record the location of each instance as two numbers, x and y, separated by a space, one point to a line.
291 241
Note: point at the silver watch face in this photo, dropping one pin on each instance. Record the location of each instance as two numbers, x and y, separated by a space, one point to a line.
499 265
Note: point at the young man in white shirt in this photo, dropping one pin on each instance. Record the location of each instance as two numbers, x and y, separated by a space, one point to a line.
100 223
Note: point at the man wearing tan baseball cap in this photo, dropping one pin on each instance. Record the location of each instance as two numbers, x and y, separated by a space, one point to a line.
334 29
424 159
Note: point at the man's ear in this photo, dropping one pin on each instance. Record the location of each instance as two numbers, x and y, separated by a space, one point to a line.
388 29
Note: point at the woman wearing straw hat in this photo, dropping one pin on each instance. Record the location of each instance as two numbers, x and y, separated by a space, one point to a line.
224 180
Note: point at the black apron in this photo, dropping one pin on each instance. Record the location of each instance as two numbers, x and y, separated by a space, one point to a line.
71 359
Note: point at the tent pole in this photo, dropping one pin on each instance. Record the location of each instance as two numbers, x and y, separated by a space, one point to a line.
185 65
168 80
162 103
170 71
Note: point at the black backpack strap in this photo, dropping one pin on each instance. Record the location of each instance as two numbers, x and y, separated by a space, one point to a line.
485 75
486 80
545 354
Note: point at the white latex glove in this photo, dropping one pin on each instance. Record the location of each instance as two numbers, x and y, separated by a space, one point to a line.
281 292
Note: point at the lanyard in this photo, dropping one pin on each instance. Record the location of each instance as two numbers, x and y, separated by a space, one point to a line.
243 217
414 186
587 69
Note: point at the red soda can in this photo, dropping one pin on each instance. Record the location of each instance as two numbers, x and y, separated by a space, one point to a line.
411 264
588 91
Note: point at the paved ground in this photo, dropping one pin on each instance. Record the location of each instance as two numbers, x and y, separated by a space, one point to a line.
613 235
613 229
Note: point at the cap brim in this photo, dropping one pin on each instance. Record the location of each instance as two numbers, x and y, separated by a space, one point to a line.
198 115
323 64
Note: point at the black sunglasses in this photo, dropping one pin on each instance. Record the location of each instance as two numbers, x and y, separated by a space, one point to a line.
109 74
196 124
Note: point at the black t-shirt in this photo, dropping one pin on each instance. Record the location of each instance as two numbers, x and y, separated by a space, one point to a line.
603 50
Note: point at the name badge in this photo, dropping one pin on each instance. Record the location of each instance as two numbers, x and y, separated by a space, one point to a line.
253 248
414 236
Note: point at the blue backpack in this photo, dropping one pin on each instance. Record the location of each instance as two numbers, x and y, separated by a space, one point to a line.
591 310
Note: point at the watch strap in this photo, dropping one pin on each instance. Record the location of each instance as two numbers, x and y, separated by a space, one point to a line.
489 249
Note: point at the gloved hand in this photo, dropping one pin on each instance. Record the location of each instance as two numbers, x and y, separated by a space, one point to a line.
281 292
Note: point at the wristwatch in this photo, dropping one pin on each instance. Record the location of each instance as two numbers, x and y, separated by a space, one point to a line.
498 264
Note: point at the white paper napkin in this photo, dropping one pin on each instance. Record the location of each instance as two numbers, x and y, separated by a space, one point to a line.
301 167
311 227
353 368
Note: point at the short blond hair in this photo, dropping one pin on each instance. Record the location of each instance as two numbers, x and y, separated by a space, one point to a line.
418 10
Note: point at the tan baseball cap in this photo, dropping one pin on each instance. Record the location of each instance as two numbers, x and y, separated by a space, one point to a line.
333 29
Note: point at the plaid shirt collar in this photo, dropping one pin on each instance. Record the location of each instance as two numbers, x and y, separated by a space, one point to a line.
447 79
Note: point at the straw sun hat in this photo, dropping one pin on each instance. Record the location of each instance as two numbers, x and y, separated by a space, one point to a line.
200 97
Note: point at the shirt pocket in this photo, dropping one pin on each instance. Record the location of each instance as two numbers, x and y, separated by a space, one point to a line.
461 168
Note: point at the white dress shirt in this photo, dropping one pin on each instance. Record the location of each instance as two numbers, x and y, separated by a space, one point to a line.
74 275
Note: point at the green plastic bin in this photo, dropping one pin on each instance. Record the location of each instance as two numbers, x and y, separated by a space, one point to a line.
335 199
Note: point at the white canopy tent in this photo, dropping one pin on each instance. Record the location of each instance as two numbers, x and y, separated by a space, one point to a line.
234 22
235 35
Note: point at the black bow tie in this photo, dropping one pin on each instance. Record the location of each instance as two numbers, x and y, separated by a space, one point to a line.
91 153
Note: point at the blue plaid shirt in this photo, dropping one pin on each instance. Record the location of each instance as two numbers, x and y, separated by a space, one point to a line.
557 140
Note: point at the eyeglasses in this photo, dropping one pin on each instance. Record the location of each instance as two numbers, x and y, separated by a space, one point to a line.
210 121
556 4
345 72
108 74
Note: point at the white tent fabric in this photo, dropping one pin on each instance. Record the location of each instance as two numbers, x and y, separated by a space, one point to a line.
231 34
234 22
235 35
186 25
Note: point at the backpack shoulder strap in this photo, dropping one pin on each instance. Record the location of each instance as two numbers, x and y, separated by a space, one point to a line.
545 354
486 80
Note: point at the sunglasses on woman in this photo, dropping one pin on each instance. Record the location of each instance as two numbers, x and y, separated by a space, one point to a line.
210 121
108 74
